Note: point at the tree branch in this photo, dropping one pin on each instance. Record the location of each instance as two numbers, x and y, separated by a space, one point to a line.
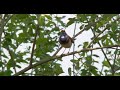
34 42
60 56
74 50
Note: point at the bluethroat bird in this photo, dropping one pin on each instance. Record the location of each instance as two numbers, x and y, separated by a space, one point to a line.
65 40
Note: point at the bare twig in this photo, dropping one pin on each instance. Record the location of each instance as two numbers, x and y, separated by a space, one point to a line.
34 42
57 51
113 71
101 70
60 56
74 50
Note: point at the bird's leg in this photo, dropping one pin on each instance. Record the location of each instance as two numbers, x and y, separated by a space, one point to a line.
63 51
69 49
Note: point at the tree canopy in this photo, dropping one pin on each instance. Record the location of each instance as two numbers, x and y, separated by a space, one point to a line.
29 44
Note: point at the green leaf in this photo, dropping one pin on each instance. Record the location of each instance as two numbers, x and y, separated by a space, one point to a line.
95 55
8 72
71 21
84 72
4 56
48 17
77 66
85 44
1 64
88 60
21 60
69 71
42 20
105 63
10 64
93 70
81 27
58 19
18 66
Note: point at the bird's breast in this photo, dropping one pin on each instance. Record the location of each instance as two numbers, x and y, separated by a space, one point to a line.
67 45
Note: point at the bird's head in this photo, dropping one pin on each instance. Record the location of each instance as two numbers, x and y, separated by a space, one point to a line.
63 37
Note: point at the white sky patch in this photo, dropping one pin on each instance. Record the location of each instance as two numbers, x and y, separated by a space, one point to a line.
23 47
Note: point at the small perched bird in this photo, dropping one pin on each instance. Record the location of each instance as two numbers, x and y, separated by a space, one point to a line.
65 40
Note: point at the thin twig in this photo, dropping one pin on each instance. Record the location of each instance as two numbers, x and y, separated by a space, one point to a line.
34 42
74 50
101 70
113 71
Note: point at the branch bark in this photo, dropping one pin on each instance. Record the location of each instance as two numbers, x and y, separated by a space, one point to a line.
60 56
34 42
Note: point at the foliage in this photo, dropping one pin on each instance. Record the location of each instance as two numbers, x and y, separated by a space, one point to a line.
19 33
